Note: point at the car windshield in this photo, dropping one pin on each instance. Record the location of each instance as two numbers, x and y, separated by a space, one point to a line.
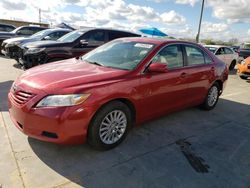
41 34
211 49
15 30
72 36
119 54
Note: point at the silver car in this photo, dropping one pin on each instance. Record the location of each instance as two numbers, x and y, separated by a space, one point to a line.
226 54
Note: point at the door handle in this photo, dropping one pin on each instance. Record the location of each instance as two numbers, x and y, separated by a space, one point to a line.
212 69
183 75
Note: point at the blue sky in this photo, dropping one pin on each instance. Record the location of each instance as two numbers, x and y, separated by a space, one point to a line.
222 20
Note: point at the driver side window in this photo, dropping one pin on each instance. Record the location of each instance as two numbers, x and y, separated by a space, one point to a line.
95 37
170 55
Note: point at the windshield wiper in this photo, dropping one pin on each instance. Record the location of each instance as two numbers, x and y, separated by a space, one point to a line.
95 63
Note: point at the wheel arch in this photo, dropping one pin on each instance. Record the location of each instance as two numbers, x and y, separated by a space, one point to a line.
220 83
125 101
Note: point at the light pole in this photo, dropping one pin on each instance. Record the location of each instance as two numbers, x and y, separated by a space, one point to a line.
199 29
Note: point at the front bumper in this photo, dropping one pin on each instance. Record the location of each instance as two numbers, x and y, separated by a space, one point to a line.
63 125
31 60
11 52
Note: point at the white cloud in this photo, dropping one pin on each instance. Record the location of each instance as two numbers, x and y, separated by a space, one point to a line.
191 2
184 2
231 10
172 17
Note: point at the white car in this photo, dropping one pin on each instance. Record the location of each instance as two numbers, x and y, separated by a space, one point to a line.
226 54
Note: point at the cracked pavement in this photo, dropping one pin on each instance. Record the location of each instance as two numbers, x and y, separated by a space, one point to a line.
215 142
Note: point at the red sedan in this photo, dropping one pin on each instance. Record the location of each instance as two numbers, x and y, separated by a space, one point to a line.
99 96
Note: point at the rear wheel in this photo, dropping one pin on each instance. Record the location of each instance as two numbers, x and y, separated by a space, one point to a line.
110 126
244 77
212 97
232 65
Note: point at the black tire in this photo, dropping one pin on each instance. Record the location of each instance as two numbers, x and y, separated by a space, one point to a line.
207 105
94 138
244 77
232 65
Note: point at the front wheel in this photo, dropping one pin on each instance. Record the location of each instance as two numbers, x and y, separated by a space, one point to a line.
212 97
110 126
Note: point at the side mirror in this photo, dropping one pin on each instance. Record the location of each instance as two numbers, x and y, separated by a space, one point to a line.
84 42
47 38
158 67
18 32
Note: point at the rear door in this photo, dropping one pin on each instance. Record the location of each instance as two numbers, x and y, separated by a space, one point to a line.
93 38
200 70
164 92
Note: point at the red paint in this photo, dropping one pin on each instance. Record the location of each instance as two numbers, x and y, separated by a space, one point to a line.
152 93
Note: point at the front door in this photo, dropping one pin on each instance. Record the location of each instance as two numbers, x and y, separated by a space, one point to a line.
163 92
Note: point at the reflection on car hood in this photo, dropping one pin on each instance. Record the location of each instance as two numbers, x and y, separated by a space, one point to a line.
44 44
16 39
71 73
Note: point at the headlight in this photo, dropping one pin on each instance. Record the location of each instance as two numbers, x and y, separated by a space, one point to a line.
62 100
242 62
34 50
12 44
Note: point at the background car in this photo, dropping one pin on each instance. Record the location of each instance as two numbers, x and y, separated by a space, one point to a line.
244 51
11 47
6 27
20 32
224 53
101 95
244 69
71 45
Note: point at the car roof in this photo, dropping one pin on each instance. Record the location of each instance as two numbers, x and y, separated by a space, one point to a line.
7 25
157 41
58 29
216 46
108 29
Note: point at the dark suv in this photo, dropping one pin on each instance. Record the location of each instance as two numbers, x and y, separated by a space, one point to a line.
70 45
20 32
11 47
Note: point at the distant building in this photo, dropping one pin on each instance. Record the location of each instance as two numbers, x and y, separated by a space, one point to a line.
22 23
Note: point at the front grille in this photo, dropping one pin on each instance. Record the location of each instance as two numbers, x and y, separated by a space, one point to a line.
21 97
248 66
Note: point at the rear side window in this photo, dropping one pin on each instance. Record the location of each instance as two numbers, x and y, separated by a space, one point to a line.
208 59
117 34
195 56
228 51
170 55
95 37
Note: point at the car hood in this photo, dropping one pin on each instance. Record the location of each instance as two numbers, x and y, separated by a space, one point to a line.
68 74
44 44
16 39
